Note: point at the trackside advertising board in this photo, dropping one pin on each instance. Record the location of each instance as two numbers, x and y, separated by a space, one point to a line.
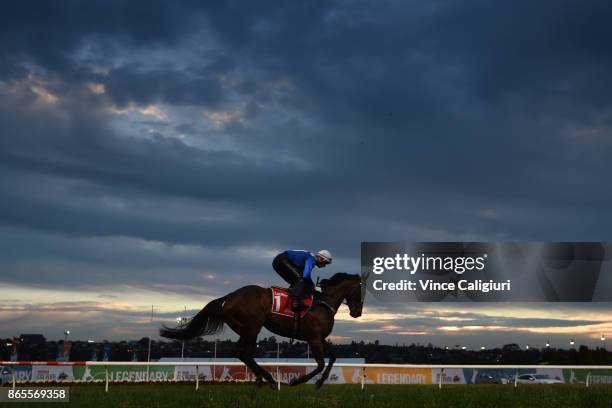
338 375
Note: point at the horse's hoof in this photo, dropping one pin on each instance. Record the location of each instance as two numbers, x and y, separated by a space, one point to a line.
293 382
273 386
320 383
258 382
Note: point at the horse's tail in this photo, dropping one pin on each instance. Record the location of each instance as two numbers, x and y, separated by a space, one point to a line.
208 321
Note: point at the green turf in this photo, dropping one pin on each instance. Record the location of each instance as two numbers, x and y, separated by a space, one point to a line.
379 396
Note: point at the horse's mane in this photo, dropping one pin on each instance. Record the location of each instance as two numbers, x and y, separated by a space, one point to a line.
337 278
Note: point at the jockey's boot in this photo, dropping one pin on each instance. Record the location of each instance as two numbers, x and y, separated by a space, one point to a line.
297 293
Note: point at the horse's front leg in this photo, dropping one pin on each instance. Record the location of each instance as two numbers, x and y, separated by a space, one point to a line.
329 350
317 347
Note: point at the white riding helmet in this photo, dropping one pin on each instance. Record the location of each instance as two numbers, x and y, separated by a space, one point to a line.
325 254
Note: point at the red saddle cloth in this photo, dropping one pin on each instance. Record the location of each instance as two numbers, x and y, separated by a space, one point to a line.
282 304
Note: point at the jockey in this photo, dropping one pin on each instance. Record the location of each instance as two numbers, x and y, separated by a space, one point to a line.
295 266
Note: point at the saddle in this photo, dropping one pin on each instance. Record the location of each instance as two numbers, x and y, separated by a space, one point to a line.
282 303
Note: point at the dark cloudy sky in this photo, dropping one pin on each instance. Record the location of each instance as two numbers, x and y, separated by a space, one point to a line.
162 152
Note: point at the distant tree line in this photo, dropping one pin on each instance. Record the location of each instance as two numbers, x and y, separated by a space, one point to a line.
372 352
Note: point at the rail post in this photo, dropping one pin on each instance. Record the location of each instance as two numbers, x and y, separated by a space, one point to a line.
14 382
106 378
278 377
516 378
363 377
440 379
588 379
197 377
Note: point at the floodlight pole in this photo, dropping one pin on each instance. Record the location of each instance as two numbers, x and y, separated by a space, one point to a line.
215 360
183 319
149 347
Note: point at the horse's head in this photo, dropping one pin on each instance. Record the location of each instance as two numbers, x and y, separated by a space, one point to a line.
349 288
353 297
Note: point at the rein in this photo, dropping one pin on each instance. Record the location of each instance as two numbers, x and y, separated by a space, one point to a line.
327 305
330 307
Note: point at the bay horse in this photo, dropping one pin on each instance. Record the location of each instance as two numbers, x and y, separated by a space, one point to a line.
249 308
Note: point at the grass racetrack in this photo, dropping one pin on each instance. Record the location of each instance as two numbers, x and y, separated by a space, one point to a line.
379 396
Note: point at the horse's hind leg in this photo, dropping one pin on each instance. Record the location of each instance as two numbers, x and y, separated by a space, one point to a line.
239 351
244 312
246 346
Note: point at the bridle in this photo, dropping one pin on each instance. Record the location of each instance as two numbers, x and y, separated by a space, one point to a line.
363 285
362 288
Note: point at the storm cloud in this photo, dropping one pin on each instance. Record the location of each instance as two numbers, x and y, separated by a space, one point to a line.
174 148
